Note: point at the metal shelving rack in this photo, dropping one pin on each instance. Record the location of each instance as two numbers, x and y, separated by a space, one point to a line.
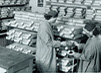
29 17
9 17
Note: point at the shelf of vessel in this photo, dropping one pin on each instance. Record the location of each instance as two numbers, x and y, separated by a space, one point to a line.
33 49
22 29
95 7
72 5
66 4
62 37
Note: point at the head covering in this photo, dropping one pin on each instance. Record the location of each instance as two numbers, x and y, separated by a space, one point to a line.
90 24
52 13
97 31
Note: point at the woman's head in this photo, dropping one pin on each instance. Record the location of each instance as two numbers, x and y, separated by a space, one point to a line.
51 16
89 27
97 30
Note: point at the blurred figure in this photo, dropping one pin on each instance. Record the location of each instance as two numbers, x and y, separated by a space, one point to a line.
90 58
45 52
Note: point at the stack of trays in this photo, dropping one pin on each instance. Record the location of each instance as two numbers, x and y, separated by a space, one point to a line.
75 22
47 8
27 16
24 1
98 15
8 11
61 1
36 26
79 13
26 20
70 12
78 22
90 14
11 12
23 37
4 12
78 1
18 2
70 1
7 2
97 3
62 11
67 31
12 2
64 63
1 2
49 0
22 48
53 0
88 2
62 53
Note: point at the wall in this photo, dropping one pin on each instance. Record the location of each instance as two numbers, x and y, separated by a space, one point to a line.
33 3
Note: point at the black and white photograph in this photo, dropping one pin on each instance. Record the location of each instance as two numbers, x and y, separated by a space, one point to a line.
50 36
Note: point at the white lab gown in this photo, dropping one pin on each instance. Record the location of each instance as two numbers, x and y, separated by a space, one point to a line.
45 52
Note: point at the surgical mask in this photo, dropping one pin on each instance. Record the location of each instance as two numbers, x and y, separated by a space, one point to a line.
52 20
89 34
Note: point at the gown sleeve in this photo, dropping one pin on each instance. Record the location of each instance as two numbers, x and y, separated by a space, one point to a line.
47 39
81 46
56 43
88 53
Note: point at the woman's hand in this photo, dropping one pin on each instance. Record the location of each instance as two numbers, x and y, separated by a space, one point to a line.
64 43
75 43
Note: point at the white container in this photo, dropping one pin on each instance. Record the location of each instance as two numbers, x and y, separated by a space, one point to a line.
2 70
26 36
61 1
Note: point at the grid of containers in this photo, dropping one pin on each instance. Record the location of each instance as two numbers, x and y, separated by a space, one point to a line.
6 12
8 6
79 9
25 26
